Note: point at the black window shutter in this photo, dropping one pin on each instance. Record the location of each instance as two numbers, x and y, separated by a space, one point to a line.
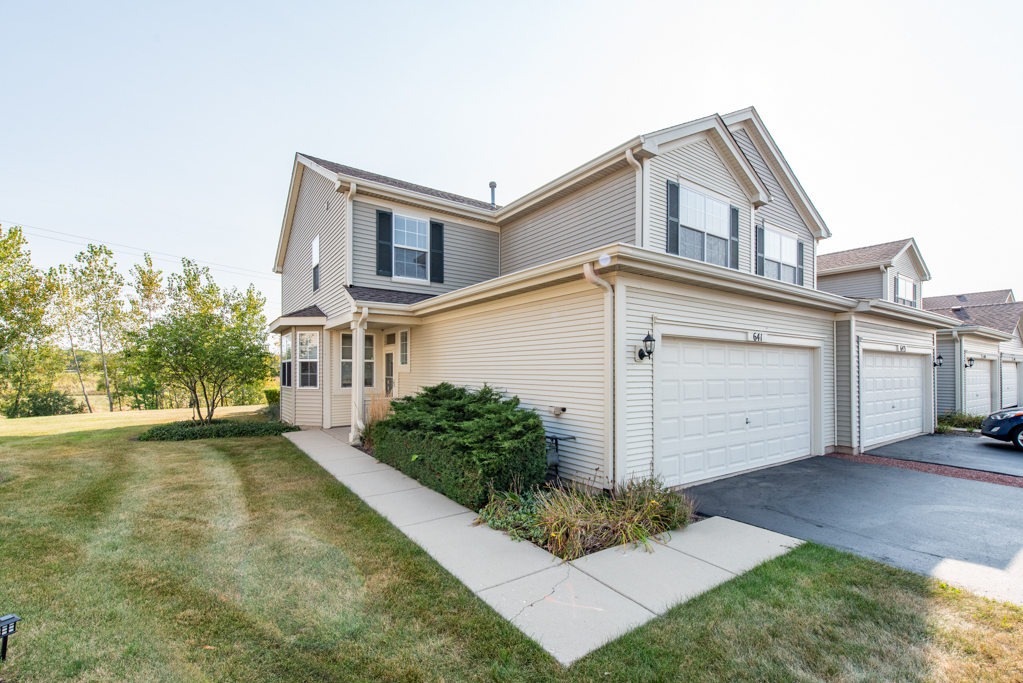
672 246
896 283
799 262
914 292
385 259
760 250
436 252
733 242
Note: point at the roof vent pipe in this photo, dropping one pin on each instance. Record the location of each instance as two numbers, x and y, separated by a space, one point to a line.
493 195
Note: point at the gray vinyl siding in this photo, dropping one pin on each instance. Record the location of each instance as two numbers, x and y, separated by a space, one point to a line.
470 254
1013 347
319 211
860 284
945 389
600 214
700 164
904 265
843 384
690 306
780 210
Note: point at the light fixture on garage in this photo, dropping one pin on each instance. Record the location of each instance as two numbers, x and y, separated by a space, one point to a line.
969 362
647 351
937 363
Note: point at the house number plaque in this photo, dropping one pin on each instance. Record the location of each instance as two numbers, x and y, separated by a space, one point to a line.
757 336
902 348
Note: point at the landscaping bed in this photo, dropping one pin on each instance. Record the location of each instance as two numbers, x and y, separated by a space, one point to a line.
216 429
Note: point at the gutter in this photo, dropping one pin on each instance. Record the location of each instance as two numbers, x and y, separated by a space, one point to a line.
609 360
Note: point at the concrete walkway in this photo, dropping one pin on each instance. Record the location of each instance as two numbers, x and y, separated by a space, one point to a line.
569 608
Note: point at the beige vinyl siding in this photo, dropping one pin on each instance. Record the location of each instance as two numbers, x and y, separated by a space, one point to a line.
780 211
288 393
975 346
945 381
341 399
319 211
860 284
470 254
843 384
600 214
699 163
308 400
546 347
681 305
904 265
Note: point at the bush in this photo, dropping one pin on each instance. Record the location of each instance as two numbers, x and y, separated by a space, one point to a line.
272 411
272 396
462 442
41 403
962 420
218 429
573 521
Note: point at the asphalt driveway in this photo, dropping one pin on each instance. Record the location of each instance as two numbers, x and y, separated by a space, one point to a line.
971 452
967 532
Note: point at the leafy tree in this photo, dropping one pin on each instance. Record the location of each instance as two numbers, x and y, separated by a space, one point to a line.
210 342
25 292
29 368
68 316
146 303
99 285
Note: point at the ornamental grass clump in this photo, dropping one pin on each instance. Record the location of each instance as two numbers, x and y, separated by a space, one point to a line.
961 420
572 521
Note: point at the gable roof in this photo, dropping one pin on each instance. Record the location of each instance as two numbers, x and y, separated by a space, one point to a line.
749 119
1001 317
873 256
995 296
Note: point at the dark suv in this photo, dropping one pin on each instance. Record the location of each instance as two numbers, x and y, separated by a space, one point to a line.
1005 425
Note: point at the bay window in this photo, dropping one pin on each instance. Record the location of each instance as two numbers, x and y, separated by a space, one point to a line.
286 360
308 359
347 358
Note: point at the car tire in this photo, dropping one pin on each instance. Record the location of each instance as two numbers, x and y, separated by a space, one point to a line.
1016 437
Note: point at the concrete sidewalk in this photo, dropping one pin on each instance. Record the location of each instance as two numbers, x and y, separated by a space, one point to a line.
569 608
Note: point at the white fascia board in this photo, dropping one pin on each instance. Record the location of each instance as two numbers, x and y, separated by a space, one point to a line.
750 115
289 214
917 256
977 331
852 269
894 311
284 323
753 185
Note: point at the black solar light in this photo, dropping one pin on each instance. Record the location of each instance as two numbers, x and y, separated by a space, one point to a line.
969 362
648 348
937 363
8 627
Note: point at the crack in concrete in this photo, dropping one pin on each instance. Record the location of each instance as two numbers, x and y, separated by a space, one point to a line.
556 586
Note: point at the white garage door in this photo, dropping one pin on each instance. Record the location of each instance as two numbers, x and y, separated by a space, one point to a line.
978 388
1010 381
724 408
892 396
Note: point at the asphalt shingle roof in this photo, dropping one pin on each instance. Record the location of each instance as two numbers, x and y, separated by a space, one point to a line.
308 312
997 296
1002 317
861 256
386 296
394 182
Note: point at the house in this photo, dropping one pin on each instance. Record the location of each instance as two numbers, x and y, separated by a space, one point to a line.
983 354
696 240
884 365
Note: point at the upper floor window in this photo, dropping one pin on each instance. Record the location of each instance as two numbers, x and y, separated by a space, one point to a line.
779 255
409 247
316 263
701 227
905 291
308 359
286 360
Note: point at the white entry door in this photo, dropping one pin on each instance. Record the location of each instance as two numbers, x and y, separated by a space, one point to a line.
1010 383
723 408
891 396
978 388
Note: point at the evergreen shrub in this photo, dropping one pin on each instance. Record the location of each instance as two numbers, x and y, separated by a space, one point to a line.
218 429
462 442
272 396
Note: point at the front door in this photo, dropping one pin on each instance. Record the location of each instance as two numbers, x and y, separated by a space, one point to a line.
388 374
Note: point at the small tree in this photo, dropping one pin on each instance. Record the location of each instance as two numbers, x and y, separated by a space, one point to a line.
209 342
25 293
68 316
99 285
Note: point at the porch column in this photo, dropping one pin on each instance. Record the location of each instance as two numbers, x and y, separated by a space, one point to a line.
358 370
327 382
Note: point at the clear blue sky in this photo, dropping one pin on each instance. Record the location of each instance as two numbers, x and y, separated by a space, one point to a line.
173 128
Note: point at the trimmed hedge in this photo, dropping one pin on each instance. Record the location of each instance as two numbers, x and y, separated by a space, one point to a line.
219 429
272 396
460 442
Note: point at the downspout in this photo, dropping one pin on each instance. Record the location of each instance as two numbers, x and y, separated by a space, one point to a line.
958 377
630 157
884 283
609 396
358 356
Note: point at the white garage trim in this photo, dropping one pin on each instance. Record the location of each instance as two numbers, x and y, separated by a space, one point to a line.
746 337
927 354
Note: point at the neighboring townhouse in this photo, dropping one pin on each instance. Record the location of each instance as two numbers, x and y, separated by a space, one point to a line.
696 240
885 366
983 355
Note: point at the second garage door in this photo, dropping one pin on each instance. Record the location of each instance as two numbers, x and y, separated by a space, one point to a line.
978 388
892 396
725 408
1010 381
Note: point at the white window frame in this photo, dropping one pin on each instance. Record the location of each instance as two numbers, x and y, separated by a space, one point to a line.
897 294
316 262
369 364
304 360
395 246
783 234
404 348
683 224
286 358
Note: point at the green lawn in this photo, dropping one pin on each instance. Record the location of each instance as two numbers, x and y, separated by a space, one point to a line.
242 560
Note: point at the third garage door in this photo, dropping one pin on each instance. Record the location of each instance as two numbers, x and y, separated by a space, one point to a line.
725 408
892 396
978 388
1010 378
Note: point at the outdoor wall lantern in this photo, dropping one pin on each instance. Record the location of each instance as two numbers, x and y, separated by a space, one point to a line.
937 363
969 362
647 350
8 627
